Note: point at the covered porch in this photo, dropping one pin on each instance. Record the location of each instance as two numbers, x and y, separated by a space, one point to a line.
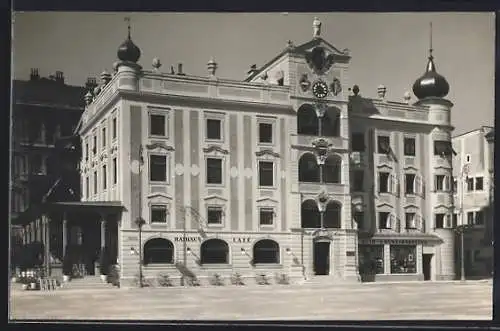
82 230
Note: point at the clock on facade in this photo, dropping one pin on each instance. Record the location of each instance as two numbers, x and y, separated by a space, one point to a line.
320 89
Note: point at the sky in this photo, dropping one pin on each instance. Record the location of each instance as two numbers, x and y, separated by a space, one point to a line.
386 48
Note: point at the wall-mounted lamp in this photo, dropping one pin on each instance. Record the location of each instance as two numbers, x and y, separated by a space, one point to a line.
244 252
133 251
288 251
188 250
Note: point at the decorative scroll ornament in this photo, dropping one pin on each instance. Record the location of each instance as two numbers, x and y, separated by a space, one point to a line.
215 148
335 86
305 84
322 200
159 144
267 151
322 146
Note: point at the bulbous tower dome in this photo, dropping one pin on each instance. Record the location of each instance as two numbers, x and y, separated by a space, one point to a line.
128 51
431 84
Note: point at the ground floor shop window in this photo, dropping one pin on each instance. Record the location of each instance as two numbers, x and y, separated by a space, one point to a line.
266 251
158 250
371 259
214 251
403 259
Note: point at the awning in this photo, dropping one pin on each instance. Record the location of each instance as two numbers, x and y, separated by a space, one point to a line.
107 207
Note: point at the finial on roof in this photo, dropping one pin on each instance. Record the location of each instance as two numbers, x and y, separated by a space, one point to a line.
212 67
316 27
407 97
128 51
381 90
430 43
127 19
88 98
156 64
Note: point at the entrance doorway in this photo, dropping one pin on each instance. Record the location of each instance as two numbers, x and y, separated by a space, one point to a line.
321 258
426 264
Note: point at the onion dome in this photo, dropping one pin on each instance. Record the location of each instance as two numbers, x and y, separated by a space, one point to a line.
431 84
128 51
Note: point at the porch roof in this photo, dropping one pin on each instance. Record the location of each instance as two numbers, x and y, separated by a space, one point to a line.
107 207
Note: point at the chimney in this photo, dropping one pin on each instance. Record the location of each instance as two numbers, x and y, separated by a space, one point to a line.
179 69
34 74
60 77
91 84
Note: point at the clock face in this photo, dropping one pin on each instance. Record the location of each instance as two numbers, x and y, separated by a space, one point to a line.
320 89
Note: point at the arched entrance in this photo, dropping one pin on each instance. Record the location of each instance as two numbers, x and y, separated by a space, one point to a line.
321 253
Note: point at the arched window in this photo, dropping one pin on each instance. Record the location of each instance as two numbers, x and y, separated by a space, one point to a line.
307 121
158 250
309 215
308 169
214 251
333 215
330 123
332 169
266 251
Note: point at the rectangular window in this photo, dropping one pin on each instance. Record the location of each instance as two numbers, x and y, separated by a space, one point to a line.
442 148
411 220
410 183
214 215
479 218
95 182
158 214
455 184
409 146
470 218
470 184
157 125
94 144
87 187
104 177
439 221
383 144
383 182
266 173
359 217
214 171
158 168
103 137
358 142
439 183
358 180
454 221
115 171
113 128
266 216
266 133
479 183
86 150
384 220
403 259
214 129
371 259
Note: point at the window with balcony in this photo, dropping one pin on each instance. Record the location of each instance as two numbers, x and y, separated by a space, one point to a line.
383 144
410 184
266 216
266 173
214 129
214 215
214 171
479 184
158 168
159 214
358 180
157 125
358 142
439 221
409 146
383 182
266 133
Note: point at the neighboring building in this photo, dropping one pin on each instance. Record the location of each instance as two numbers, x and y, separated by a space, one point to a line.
282 173
473 184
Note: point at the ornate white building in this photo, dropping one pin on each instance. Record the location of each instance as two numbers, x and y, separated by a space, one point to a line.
289 172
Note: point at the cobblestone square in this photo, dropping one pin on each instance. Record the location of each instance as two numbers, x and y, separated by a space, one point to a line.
367 301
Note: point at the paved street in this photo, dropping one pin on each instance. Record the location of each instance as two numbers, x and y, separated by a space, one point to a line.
443 300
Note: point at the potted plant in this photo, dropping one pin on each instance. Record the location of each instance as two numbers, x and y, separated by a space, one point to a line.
104 265
67 266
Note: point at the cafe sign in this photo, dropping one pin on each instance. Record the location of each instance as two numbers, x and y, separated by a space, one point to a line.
237 240
389 241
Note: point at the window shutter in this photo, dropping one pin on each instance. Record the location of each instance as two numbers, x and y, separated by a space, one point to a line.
391 222
435 183
446 183
418 185
448 221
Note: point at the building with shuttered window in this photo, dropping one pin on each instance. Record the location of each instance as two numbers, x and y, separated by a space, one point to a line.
290 171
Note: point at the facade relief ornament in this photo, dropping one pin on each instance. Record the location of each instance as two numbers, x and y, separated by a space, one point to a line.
322 147
319 60
215 148
160 145
305 84
323 199
267 151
